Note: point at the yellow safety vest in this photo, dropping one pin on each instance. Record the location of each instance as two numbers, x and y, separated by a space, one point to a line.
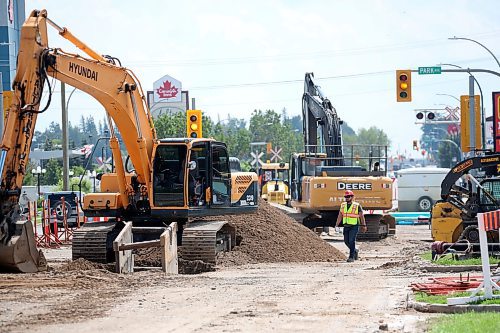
350 216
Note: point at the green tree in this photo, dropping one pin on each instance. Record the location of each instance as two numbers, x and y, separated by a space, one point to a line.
447 152
53 172
171 125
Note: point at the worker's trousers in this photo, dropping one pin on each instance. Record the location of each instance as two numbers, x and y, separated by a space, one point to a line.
350 232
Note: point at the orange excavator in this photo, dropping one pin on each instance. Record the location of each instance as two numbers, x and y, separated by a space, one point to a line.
174 179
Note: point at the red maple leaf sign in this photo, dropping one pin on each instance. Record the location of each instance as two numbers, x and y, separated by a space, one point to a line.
167 90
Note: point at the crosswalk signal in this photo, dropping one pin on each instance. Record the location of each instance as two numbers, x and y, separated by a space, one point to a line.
193 123
403 85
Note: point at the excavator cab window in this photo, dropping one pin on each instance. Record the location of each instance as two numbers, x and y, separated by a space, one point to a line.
492 185
221 177
169 171
295 177
310 166
197 182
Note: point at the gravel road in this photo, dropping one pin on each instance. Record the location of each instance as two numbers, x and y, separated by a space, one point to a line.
366 296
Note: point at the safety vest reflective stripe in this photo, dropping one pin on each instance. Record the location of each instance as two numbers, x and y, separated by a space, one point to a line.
350 216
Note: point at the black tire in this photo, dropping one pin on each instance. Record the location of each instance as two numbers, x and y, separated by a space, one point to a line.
471 233
59 207
424 204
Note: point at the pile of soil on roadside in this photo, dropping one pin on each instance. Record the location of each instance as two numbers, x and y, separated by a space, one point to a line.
271 236
266 236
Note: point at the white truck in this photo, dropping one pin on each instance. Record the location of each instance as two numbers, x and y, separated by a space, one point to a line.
419 188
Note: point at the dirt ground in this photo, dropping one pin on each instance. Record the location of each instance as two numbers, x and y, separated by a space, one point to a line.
366 296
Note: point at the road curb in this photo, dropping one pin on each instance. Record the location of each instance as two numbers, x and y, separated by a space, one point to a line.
444 308
453 269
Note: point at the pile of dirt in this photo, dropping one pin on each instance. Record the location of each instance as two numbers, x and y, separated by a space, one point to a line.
267 236
81 264
270 236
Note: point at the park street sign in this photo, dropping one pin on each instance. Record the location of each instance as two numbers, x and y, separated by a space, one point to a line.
429 70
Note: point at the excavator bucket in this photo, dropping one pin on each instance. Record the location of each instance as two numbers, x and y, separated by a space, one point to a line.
19 253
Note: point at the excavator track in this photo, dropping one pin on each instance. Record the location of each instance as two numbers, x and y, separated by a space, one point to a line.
377 228
202 240
93 242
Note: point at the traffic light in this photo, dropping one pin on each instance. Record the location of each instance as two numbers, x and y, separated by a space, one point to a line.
427 114
415 144
193 124
403 85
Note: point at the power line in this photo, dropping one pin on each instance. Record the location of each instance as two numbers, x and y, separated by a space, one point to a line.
307 55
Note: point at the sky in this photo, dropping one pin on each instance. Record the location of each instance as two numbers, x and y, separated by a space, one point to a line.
238 56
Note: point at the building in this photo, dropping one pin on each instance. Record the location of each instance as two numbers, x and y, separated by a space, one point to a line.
12 17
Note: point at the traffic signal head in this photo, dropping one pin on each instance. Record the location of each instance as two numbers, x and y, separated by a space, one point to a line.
415 144
403 85
193 124
422 115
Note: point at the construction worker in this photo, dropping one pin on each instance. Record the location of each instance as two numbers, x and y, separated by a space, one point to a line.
351 215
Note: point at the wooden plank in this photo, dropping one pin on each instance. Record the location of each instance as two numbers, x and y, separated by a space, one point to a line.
139 245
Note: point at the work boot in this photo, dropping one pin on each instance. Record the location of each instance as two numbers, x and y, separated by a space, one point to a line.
350 260
356 254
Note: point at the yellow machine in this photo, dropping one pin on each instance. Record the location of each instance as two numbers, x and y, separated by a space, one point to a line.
320 175
463 196
274 183
171 180
446 222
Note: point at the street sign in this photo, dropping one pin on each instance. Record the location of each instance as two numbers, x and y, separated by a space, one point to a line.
429 70
276 154
256 158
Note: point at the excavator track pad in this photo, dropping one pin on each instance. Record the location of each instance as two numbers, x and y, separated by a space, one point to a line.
93 241
202 240
19 252
377 228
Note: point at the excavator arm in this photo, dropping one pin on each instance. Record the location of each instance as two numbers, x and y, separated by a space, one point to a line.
115 87
454 193
318 113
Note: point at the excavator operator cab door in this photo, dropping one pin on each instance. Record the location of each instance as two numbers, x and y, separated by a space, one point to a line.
198 170
220 176
168 175
295 178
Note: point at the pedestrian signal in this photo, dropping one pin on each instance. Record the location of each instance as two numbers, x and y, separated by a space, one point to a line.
403 85
193 123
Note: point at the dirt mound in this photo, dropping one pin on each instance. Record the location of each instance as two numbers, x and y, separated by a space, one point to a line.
81 264
269 235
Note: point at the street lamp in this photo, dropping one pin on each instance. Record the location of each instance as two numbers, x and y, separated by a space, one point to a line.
475 41
38 172
449 94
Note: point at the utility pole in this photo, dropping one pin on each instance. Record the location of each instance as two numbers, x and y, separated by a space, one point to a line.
472 117
65 145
